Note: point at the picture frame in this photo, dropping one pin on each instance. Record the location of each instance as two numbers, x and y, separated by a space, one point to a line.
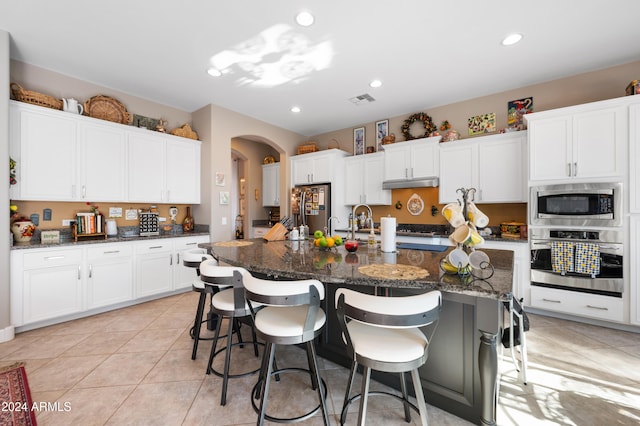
224 198
382 130
359 141
481 124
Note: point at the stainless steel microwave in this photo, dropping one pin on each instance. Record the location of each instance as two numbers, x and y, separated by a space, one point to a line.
577 204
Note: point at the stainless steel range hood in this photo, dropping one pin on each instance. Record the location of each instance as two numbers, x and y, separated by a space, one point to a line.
428 182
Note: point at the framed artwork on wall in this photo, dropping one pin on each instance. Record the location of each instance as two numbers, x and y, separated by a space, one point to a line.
382 130
358 141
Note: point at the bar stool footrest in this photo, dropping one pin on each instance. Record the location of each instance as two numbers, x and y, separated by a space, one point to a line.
257 390
223 349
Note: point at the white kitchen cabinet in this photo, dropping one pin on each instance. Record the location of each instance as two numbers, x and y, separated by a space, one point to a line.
415 159
184 275
634 158
494 165
147 169
182 170
46 284
634 269
43 143
271 185
68 157
578 143
580 304
316 167
258 232
154 262
102 162
363 180
109 274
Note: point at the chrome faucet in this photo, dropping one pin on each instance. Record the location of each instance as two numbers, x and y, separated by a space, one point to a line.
355 218
327 230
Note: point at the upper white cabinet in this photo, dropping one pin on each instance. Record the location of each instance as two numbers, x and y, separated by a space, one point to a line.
67 157
634 158
43 144
271 185
494 165
316 167
578 143
418 158
363 180
103 162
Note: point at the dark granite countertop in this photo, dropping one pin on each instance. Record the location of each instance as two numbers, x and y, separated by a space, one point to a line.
66 240
301 260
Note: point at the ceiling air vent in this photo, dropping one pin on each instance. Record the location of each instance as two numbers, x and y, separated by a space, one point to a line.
362 99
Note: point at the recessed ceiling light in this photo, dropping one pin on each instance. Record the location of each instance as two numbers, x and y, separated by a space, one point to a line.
214 72
375 83
304 19
295 109
511 39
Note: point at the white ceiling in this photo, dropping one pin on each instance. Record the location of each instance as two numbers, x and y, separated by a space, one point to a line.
427 53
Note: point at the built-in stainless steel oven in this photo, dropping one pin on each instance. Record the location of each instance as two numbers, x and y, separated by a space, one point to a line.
584 260
576 204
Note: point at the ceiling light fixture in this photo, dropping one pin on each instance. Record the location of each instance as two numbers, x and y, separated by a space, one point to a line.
214 72
511 39
304 19
375 83
295 109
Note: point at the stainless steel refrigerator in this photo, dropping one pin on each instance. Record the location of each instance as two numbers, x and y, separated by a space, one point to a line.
311 206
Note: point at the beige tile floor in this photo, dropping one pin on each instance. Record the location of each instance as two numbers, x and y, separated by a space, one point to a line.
133 366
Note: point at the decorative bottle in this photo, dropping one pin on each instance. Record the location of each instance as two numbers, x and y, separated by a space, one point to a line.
187 223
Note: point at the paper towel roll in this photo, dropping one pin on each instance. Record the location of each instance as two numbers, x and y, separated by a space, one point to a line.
388 234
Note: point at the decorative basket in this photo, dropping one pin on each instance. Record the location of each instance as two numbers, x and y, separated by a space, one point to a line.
107 108
307 148
185 132
35 98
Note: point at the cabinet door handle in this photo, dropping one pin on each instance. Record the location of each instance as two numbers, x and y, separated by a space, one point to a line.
569 169
170 259
90 270
575 169
191 244
79 276
178 255
549 300
154 247
53 257
600 308
111 252
84 191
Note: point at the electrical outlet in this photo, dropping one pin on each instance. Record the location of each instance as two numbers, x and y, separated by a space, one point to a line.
66 222
224 220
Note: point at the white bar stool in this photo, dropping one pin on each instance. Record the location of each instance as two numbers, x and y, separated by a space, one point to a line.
192 259
383 334
291 315
231 304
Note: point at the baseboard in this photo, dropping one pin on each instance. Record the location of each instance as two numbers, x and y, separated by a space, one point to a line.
7 333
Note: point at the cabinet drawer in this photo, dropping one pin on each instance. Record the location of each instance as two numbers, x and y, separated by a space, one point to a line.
575 303
52 258
109 250
188 243
153 246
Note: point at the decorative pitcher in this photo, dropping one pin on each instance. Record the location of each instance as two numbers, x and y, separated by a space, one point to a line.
23 230
72 106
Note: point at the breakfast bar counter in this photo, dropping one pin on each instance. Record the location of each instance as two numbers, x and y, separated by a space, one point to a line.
461 372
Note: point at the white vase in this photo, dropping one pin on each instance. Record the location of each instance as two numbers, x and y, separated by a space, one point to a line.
23 230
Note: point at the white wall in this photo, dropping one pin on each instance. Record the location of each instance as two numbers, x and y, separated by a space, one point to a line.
6 330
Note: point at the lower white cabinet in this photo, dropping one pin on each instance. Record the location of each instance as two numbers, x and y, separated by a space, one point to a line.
109 274
184 275
634 269
580 304
50 285
154 267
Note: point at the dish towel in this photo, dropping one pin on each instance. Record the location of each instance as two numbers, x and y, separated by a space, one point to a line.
588 259
562 256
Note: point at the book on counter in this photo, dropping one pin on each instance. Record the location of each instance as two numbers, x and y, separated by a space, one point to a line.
88 223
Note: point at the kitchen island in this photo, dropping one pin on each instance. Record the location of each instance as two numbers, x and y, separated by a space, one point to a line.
461 372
